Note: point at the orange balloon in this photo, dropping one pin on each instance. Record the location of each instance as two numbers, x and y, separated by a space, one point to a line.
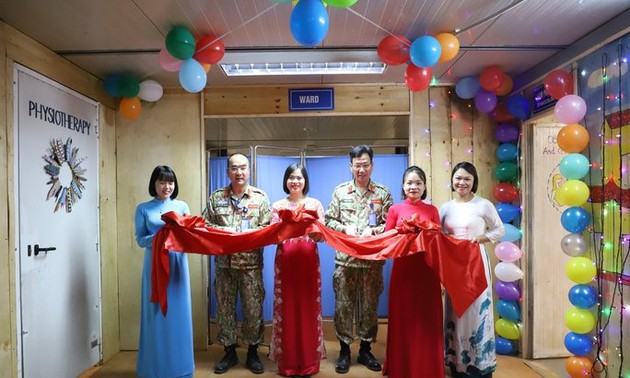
206 66
506 86
130 108
578 367
573 138
449 44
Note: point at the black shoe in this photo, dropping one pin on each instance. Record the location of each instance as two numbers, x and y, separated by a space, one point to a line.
230 359
367 358
343 363
253 362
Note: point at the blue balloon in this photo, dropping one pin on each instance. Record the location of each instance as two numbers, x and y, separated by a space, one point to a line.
512 233
578 344
509 310
574 166
467 87
583 296
575 219
518 106
309 22
504 346
112 85
425 51
507 212
192 76
507 152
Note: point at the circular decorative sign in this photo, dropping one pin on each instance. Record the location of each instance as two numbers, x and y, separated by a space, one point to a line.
65 172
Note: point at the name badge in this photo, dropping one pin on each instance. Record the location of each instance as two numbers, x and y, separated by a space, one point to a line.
244 224
372 219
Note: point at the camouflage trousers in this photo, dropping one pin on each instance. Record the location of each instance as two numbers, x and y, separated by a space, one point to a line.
248 284
356 292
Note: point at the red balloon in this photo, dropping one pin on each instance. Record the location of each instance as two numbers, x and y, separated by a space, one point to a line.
417 78
394 50
491 78
501 113
505 192
559 83
207 51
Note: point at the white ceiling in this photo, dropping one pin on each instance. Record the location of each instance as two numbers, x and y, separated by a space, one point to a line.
115 36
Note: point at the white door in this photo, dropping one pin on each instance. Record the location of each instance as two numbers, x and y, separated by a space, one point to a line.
58 256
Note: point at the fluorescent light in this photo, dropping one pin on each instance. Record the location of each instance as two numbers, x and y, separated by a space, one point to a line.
319 68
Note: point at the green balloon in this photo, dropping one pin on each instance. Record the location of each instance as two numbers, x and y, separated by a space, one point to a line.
180 43
340 3
128 86
506 172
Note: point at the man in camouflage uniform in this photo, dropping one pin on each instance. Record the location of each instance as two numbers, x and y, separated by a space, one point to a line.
358 207
238 207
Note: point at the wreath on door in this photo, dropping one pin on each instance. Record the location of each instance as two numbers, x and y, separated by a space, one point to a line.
63 157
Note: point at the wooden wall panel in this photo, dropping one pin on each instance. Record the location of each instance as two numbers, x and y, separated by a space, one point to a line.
256 101
441 150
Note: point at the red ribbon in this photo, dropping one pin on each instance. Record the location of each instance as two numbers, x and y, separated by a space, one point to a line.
457 262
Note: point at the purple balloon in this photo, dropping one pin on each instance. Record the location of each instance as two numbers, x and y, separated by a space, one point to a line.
507 290
485 101
507 132
570 109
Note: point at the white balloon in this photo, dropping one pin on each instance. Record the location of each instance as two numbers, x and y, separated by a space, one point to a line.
150 90
508 272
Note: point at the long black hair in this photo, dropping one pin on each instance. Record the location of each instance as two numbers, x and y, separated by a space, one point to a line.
417 170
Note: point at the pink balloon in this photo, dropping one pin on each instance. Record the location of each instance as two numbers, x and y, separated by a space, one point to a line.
570 109
508 252
168 62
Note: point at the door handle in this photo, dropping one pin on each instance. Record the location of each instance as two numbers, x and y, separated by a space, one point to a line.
37 249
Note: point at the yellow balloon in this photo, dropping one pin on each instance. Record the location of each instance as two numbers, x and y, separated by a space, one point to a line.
507 329
575 192
581 270
559 197
579 320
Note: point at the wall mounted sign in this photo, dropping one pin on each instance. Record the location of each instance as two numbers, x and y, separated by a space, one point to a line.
311 99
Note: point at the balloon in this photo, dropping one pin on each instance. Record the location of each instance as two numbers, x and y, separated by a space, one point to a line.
507 152
573 138
574 166
581 270
575 219
180 43
425 51
112 84
168 62
506 171
130 108
574 245
206 67
507 290
150 90
192 76
491 78
570 109
129 86
507 132
578 344
467 87
507 329
506 86
518 105
558 84
512 234
485 101
578 367
416 78
309 22
508 252
579 320
449 44
504 346
583 296
340 3
509 310
574 192
394 50
501 114
209 50
507 212
505 192
508 272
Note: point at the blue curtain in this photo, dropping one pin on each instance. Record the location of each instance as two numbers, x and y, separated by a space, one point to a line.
325 173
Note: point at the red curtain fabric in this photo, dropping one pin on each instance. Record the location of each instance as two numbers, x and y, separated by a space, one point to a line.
457 262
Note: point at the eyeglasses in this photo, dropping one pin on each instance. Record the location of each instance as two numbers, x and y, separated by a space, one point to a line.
358 167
